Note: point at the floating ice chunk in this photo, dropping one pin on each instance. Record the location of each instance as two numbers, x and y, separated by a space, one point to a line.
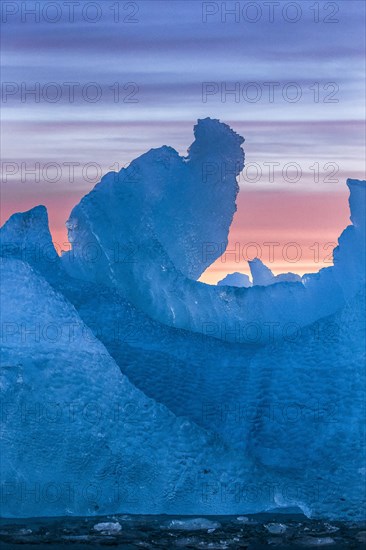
242 519
109 528
25 532
196 524
276 528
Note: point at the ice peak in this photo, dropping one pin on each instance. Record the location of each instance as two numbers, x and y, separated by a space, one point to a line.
261 274
215 139
168 207
357 204
23 225
23 220
26 235
212 128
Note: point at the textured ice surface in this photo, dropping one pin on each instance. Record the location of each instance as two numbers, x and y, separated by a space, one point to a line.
111 403
128 233
164 210
78 438
287 409
316 388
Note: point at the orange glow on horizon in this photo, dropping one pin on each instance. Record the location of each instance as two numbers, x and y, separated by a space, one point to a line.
313 221
293 232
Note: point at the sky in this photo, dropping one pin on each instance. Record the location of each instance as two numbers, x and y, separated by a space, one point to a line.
88 86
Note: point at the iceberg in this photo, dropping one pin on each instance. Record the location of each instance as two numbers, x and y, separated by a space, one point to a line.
130 387
136 260
263 276
240 280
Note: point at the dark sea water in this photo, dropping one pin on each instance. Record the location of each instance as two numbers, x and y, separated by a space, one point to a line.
280 531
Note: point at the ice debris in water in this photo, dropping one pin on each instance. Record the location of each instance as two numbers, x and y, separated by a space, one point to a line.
109 528
276 528
242 519
25 532
196 524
